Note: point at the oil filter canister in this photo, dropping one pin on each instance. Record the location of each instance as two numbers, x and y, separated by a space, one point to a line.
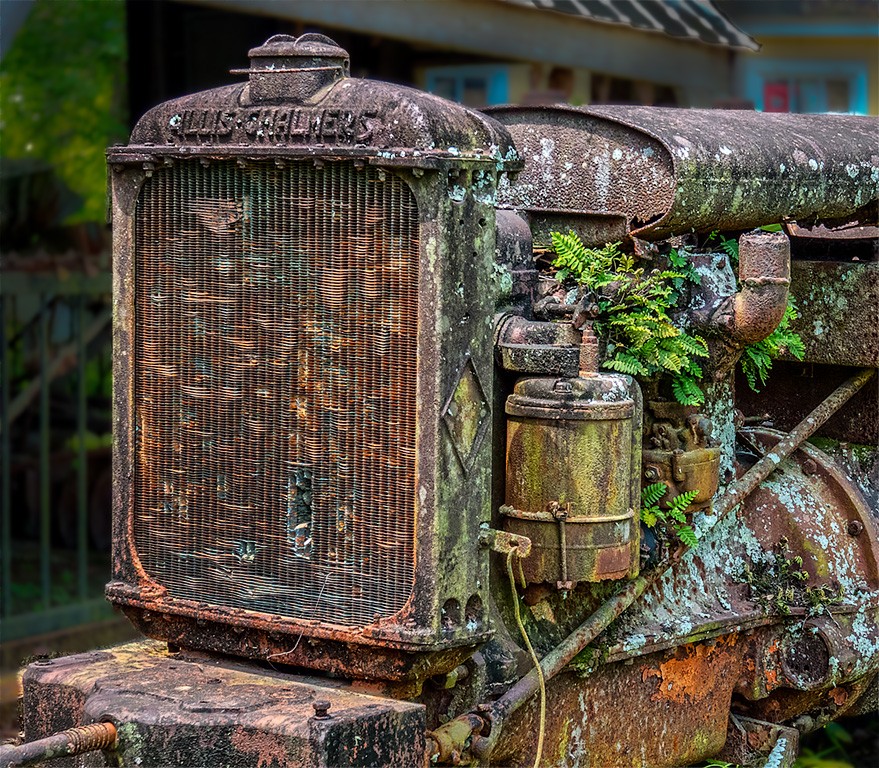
572 476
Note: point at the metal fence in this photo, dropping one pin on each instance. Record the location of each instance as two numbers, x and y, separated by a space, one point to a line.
55 369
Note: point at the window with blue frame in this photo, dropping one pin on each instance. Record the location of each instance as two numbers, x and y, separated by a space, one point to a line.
474 85
807 86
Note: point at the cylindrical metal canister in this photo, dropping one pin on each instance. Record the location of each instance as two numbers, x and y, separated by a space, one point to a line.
572 476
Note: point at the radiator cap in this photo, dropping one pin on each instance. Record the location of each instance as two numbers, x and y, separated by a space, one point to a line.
287 68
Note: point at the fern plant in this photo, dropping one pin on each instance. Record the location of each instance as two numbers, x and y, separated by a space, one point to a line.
673 519
633 316
756 359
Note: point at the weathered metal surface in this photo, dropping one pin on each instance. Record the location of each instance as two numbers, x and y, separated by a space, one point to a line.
809 710
820 504
515 261
665 709
748 740
537 347
837 304
705 580
291 189
572 452
170 710
681 453
851 242
794 388
764 276
671 171
362 419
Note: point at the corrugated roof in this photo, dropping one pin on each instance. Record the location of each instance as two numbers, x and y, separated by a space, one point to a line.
696 20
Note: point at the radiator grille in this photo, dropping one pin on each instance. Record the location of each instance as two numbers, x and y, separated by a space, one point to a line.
275 348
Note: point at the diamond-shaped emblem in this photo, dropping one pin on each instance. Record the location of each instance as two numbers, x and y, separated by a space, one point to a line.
466 415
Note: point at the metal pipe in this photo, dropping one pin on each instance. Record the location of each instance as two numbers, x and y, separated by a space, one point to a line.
739 490
764 274
556 660
709 171
73 741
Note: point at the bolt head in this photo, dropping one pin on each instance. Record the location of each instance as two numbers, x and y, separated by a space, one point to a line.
321 709
855 527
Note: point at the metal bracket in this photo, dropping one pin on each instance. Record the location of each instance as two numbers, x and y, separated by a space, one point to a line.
504 543
560 511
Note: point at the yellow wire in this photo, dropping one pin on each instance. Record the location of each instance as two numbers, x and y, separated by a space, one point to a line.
534 658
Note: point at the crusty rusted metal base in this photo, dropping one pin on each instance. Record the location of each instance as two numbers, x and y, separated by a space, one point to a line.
206 711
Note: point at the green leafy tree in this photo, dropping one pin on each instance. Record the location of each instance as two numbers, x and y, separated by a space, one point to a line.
62 94
633 318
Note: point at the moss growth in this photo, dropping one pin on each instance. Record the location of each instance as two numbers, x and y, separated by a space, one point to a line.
865 454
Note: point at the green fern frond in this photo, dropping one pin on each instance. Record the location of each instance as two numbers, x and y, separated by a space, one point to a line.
651 494
669 360
634 311
666 330
626 364
687 391
649 516
730 247
687 536
680 503
673 519
693 368
694 345
756 359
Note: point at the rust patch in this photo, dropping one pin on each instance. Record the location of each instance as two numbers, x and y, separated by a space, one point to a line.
684 678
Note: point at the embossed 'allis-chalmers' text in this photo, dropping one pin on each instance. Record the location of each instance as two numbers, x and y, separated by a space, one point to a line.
280 125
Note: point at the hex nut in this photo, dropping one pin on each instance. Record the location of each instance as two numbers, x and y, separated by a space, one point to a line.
321 709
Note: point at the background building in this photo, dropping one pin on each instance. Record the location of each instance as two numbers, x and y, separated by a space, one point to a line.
815 55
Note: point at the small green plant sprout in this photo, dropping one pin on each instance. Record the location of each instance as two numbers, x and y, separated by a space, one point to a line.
680 262
729 245
756 359
672 520
633 314
778 584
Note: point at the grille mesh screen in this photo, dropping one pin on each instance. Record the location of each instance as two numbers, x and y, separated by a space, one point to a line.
275 349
